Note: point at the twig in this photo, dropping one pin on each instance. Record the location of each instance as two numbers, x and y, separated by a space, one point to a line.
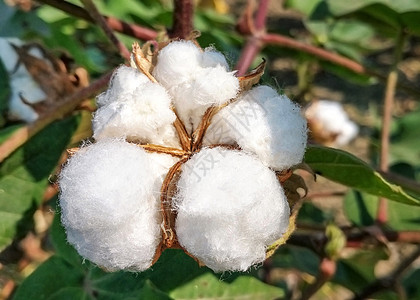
100 21
391 85
133 30
20 136
315 238
183 19
390 280
254 43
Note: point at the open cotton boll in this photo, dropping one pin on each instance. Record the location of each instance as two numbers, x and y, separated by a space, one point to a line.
230 207
109 205
145 116
125 80
176 63
264 123
331 120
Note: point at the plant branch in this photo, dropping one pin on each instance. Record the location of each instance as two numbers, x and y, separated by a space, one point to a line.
391 85
63 108
133 30
390 280
316 239
101 22
182 19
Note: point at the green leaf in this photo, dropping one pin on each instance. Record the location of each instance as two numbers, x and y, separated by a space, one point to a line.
306 7
347 169
340 7
360 209
358 270
209 286
406 136
24 177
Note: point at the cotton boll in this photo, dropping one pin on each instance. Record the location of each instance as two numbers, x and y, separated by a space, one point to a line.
176 63
145 116
330 123
109 205
125 80
264 123
211 58
230 207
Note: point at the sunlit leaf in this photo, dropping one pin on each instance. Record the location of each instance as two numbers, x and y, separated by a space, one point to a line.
347 169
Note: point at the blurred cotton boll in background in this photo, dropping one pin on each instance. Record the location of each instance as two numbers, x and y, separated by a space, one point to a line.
21 82
329 123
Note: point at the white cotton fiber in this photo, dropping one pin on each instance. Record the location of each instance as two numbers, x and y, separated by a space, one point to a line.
195 79
264 123
212 58
332 119
141 112
125 80
110 205
177 63
230 207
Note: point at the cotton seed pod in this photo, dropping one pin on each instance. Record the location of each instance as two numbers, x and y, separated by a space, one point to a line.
230 208
109 202
264 123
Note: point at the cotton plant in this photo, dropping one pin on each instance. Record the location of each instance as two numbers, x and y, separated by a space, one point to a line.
186 155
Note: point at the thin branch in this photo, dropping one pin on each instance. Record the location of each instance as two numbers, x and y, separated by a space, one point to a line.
20 136
284 41
391 86
254 43
133 30
389 281
101 22
183 19
261 15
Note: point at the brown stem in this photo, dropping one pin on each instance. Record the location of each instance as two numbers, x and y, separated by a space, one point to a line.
133 30
391 85
101 22
183 19
64 107
327 269
390 280
168 214
252 48
165 150
261 15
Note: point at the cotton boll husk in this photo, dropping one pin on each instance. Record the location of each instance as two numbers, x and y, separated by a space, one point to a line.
146 116
125 80
264 123
230 207
109 203
211 58
176 63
